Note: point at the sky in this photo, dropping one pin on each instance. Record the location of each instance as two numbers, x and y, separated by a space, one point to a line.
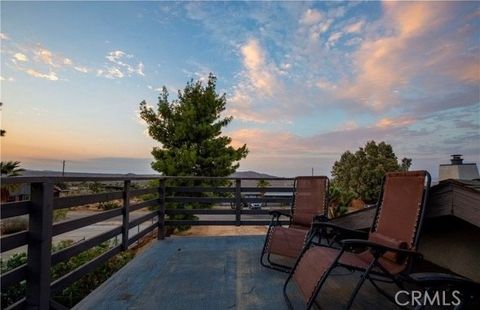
304 81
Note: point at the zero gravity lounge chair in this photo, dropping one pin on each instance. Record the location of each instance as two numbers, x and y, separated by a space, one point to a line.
309 204
388 252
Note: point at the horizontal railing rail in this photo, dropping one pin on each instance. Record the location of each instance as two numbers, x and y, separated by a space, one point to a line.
165 199
12 209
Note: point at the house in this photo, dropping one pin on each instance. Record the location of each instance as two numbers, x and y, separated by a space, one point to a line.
21 192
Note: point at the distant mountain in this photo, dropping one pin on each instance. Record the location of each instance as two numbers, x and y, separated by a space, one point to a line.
251 174
50 173
238 174
254 183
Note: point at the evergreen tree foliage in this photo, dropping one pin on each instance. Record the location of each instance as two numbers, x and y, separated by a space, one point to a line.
360 174
189 130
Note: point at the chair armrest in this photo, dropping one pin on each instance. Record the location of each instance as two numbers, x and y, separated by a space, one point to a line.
377 249
340 229
320 218
277 214
438 280
432 278
436 276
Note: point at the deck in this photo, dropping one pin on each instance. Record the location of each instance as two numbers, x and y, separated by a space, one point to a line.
212 273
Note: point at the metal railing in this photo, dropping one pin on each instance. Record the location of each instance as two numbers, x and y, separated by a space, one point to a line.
41 229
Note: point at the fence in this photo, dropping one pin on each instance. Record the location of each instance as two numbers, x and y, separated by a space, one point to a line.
41 229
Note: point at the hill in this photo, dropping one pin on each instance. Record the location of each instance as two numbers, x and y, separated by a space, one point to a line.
50 173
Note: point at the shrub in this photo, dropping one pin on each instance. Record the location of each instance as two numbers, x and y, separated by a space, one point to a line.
13 225
78 290
338 200
109 205
16 291
59 214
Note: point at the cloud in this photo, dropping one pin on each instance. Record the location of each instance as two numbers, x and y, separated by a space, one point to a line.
52 76
401 133
390 122
82 69
46 56
326 85
259 72
311 16
334 37
140 68
120 65
116 56
110 73
349 125
4 36
40 60
421 49
20 57
355 27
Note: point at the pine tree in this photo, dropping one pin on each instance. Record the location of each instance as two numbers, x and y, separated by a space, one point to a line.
189 130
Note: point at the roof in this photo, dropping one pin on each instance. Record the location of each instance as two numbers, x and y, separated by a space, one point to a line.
467 184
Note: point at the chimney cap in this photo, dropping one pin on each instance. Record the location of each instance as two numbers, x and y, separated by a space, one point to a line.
456 159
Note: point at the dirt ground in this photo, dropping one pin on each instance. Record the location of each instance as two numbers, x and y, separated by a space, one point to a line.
223 231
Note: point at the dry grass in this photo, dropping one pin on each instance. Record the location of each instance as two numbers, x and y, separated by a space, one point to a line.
223 231
14 225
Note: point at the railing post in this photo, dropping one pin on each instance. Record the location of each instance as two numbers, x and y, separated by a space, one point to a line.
39 246
238 202
161 210
126 214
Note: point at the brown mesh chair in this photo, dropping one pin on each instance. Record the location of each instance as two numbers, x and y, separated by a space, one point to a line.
309 203
389 250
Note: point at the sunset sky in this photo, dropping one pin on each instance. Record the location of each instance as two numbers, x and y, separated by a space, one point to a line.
304 81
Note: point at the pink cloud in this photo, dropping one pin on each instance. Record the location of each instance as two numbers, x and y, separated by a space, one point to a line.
414 49
391 122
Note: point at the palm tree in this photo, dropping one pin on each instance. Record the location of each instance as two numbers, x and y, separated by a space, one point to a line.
11 168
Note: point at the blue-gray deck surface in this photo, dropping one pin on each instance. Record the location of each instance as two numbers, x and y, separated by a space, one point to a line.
204 273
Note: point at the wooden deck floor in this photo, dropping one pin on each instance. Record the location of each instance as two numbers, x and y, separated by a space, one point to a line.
213 273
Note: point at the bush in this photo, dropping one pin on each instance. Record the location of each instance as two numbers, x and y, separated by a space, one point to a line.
13 225
59 214
78 290
16 224
16 291
109 205
360 174
146 197
338 200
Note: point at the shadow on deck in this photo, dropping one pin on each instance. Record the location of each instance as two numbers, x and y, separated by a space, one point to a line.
213 273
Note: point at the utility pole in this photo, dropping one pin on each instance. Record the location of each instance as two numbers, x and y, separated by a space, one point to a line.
312 171
63 169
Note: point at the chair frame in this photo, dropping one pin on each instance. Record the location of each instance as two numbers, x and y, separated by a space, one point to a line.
275 221
434 281
377 250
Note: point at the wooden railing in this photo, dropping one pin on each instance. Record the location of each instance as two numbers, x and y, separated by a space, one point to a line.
41 229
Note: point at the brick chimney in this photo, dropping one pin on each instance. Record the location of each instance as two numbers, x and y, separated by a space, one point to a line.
458 170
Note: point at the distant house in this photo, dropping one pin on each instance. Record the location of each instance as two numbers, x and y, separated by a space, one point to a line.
21 192
15 193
